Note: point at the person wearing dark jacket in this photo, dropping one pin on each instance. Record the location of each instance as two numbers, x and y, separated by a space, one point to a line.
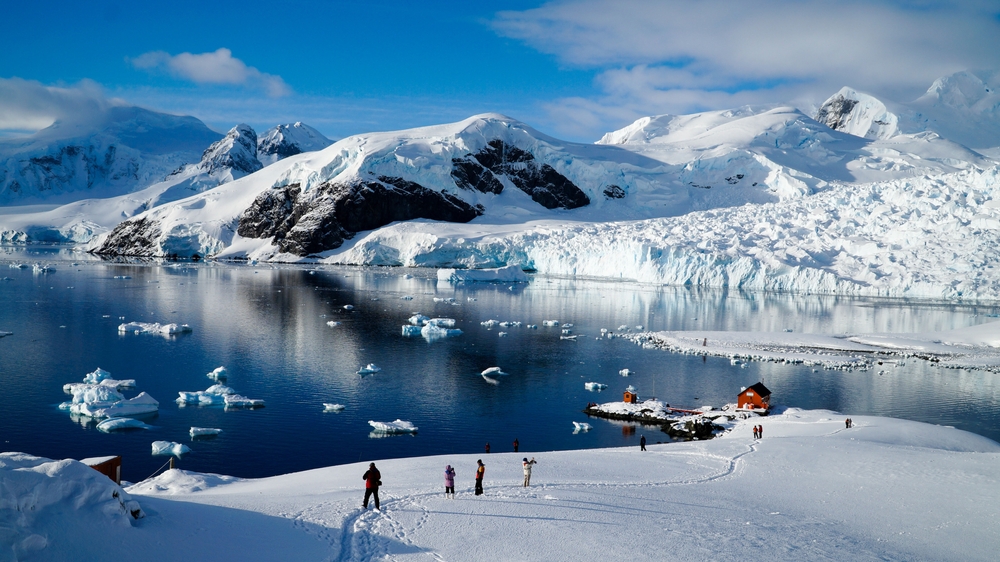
642 442
373 479
480 472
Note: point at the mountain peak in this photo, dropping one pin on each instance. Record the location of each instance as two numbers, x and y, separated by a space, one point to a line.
236 152
287 140
858 114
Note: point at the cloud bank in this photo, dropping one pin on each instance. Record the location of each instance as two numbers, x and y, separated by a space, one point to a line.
218 67
28 106
679 56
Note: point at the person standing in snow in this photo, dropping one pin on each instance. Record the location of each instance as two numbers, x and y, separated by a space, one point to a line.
480 472
487 447
526 464
760 432
756 432
516 444
642 442
373 479
449 481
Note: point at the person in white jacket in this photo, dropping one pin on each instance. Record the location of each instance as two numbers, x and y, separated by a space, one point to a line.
526 464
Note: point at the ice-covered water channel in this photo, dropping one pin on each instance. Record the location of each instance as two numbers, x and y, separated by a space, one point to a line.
287 336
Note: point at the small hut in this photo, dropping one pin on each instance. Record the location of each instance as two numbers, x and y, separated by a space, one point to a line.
757 397
630 395
108 466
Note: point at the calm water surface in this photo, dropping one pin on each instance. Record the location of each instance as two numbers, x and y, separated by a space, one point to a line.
268 326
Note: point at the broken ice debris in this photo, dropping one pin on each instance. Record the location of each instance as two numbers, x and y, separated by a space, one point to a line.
594 386
502 334
623 327
398 426
406 298
332 324
333 407
550 323
153 328
508 274
567 331
116 424
489 323
493 371
625 372
369 369
580 426
219 374
170 448
567 325
513 324
571 338
204 432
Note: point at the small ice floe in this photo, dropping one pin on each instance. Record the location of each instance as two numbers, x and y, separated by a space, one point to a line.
638 327
407 276
592 386
398 426
123 276
567 331
406 298
213 395
196 432
571 338
333 324
567 325
333 407
141 404
218 374
470 299
510 324
625 372
492 372
433 331
489 323
47 268
170 448
411 330
444 299
348 307
604 331
237 401
153 328
369 369
580 426
117 424
787 329
550 323
532 326
5 334
502 334
508 274
734 361
418 319
623 328
19 266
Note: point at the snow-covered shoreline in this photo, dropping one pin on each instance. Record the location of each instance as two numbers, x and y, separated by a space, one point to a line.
810 489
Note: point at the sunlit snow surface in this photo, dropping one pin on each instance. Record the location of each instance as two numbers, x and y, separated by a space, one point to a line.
846 494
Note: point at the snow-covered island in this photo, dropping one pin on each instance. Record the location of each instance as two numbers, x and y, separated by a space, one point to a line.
847 494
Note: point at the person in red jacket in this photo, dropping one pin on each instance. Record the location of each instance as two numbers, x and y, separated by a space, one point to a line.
480 472
373 479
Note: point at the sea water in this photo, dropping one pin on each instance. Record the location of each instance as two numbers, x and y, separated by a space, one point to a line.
270 326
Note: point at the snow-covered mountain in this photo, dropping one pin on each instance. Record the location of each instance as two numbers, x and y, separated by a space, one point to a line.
123 150
287 140
963 107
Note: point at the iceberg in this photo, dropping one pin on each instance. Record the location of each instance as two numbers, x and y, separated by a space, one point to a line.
238 401
96 376
116 424
204 432
219 374
170 448
580 426
625 372
398 426
592 386
153 328
411 330
418 319
433 332
212 395
369 369
507 274
141 404
333 407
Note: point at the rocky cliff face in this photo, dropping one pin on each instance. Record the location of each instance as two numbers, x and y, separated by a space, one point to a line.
236 153
288 140
304 224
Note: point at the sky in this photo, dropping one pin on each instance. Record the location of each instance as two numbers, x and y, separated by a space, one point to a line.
571 68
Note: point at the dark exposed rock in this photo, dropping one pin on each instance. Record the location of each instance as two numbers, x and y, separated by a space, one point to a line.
237 151
542 182
304 224
614 192
131 238
692 429
733 180
835 112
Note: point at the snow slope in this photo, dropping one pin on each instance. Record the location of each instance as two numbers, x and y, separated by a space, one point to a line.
809 490
123 150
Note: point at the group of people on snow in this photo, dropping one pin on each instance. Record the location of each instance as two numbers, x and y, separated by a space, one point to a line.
758 431
373 479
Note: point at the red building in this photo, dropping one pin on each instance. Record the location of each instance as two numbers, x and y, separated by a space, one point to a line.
757 397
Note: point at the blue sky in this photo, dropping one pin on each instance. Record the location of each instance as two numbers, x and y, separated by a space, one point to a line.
572 68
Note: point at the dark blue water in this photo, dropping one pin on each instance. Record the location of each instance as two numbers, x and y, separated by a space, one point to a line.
267 326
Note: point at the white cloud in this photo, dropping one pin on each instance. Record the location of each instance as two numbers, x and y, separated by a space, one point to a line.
27 105
218 67
676 56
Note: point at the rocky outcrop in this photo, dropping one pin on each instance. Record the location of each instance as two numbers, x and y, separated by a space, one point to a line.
481 171
288 140
131 238
307 223
236 152
614 192
836 112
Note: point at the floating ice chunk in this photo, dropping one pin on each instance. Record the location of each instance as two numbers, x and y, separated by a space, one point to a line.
213 395
573 338
407 276
333 324
470 299
638 328
511 324
141 404
434 332
623 328
502 334
406 298
219 374
153 328
333 407
493 371
567 325
94 393
625 372
369 369
117 424
204 432
238 401
580 426
508 274
170 448
39 268
123 276
19 266
398 426
445 299
442 322
348 307
594 386
418 319
96 376
567 331
532 326
74 387
788 329
411 330
604 331
489 323
4 334
550 323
